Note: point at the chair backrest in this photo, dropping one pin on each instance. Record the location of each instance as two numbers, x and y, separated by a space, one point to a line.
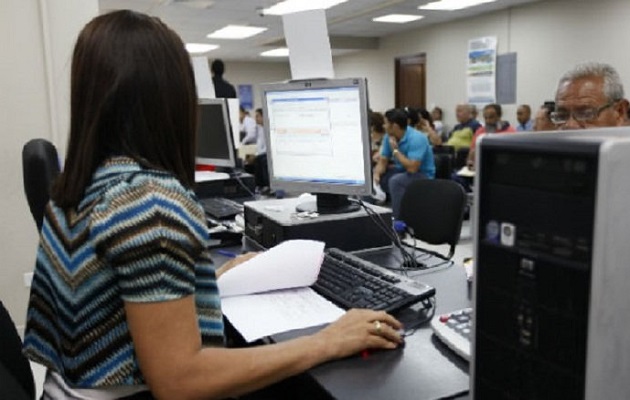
40 167
443 165
444 149
434 209
16 376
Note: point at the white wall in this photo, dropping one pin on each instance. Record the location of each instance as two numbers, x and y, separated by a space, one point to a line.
34 75
548 37
244 73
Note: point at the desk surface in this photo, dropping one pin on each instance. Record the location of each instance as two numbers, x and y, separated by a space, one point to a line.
424 369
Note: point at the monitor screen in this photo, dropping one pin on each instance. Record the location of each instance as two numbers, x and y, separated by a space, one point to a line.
317 136
214 135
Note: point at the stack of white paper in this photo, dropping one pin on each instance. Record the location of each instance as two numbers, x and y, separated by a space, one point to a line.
269 293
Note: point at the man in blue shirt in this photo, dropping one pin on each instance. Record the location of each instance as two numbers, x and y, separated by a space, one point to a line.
411 154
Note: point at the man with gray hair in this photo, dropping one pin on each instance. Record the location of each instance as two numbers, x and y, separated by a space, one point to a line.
588 96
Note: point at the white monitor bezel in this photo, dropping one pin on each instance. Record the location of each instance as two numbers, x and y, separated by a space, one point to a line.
320 187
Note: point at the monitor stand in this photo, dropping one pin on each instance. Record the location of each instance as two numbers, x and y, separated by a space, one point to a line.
329 204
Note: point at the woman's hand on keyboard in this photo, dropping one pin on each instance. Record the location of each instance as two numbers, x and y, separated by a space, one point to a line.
359 330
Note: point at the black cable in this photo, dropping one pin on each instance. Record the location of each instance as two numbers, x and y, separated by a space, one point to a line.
427 252
378 220
429 304
415 241
393 235
408 263
237 176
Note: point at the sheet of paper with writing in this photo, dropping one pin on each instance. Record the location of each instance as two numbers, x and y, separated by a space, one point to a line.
264 314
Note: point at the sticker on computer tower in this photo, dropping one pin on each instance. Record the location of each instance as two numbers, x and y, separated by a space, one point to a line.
493 232
508 234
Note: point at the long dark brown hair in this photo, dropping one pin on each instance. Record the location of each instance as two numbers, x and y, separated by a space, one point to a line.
132 93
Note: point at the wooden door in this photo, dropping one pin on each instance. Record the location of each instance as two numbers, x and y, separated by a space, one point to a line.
411 81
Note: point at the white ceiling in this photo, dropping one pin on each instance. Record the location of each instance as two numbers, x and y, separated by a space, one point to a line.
350 24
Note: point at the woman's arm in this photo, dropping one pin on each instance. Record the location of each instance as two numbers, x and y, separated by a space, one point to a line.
168 346
434 138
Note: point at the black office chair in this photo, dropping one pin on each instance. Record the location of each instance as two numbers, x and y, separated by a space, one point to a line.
444 149
444 156
16 376
434 210
443 165
40 167
461 156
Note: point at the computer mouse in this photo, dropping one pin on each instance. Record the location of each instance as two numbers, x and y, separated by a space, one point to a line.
307 197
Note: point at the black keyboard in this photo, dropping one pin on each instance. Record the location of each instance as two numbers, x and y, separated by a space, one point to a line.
221 208
352 282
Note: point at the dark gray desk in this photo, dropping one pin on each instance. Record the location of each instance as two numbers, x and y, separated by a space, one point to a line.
424 369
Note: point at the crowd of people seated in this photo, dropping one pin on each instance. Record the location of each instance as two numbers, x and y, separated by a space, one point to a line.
589 95
404 140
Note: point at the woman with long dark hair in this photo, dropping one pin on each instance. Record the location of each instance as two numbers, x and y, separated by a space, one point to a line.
124 301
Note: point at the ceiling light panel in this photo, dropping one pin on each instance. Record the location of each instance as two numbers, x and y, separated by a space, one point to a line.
280 52
197 4
398 18
236 32
451 5
199 48
292 6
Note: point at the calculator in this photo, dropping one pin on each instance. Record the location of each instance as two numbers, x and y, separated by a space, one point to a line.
455 329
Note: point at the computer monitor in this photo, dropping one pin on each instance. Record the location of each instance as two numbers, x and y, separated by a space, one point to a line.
215 145
318 140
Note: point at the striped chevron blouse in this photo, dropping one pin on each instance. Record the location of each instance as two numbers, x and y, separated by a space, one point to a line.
137 236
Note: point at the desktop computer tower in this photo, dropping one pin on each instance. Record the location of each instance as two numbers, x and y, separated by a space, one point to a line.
552 266
271 222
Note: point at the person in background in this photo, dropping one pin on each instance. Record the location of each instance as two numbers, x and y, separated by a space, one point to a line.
222 88
425 125
124 300
247 127
261 172
493 125
524 118
377 133
412 116
542 121
440 129
492 114
411 153
462 133
415 121
589 96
